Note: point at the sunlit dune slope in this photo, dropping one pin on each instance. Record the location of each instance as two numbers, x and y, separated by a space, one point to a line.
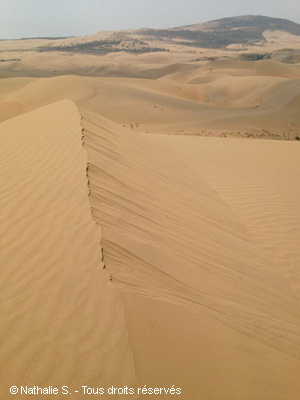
207 308
26 96
132 251
62 320
258 180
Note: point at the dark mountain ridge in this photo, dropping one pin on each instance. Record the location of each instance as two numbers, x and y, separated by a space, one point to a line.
247 30
252 23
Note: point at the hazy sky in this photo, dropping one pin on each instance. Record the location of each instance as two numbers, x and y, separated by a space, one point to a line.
29 18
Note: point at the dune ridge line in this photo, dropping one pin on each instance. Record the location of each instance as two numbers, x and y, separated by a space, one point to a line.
63 320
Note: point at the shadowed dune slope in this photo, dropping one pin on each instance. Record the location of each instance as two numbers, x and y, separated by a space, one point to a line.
207 309
62 320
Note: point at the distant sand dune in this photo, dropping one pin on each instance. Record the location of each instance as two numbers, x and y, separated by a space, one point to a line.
44 91
239 98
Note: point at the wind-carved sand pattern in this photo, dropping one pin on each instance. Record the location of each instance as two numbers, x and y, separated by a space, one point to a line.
62 321
169 236
265 196
134 251
222 98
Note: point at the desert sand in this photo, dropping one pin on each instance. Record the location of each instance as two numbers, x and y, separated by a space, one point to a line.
143 242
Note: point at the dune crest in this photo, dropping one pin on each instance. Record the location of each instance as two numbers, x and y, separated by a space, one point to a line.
134 250
62 319
174 246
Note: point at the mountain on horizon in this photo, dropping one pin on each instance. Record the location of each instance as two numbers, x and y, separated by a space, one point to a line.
248 22
247 30
243 31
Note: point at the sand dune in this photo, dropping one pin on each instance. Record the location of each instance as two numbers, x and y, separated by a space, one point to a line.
239 99
170 237
211 98
40 92
197 235
265 197
62 321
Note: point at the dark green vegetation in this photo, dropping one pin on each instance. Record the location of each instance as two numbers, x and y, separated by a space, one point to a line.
102 47
198 38
255 56
10 60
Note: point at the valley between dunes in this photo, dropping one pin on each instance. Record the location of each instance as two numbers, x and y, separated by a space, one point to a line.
142 241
